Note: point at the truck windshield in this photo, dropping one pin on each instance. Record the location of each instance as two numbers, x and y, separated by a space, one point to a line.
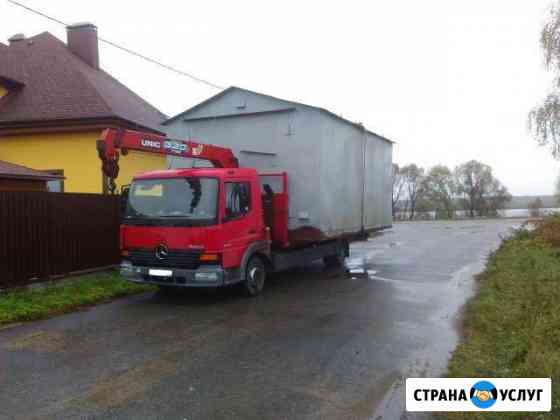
190 199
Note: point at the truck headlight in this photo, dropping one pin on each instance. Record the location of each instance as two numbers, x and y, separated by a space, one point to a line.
126 267
206 277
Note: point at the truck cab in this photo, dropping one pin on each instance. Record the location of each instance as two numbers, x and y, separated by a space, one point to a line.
196 228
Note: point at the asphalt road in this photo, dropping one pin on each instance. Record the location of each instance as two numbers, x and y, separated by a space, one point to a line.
318 344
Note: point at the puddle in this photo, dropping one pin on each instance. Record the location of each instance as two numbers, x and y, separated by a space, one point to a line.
431 359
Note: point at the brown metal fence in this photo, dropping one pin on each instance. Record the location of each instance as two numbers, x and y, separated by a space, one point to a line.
46 234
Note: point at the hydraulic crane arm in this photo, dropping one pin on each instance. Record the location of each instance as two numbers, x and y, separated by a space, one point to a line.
112 140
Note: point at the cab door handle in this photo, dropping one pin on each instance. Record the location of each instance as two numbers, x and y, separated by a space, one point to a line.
252 231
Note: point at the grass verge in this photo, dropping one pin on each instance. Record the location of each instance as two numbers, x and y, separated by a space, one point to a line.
512 326
36 303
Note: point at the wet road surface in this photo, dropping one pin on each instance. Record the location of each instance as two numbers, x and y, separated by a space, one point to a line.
318 344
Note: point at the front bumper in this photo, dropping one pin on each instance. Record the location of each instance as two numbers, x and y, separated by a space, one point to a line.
204 276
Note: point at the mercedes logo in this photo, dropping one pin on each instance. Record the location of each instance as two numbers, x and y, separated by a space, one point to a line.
162 252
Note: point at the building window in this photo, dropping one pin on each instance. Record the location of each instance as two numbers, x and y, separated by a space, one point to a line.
55 185
238 199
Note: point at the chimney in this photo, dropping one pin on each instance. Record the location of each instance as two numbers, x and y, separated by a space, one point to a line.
16 38
82 41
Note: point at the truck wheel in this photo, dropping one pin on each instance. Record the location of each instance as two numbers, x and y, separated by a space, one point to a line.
338 259
255 275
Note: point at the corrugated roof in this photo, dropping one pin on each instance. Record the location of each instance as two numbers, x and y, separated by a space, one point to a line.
60 86
13 171
229 89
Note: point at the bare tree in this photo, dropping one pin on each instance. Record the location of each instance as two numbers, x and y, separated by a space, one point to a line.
398 187
482 194
494 198
544 120
470 178
535 207
439 189
414 183
557 190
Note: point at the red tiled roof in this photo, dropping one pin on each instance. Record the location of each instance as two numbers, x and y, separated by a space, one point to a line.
60 86
11 170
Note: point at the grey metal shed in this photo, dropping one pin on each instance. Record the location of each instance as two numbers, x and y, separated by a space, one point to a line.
339 172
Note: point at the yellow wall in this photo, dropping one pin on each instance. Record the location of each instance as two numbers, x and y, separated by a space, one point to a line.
3 91
75 153
137 162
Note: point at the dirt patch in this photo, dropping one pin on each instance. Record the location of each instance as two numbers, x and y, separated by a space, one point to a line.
366 406
41 341
115 391
339 403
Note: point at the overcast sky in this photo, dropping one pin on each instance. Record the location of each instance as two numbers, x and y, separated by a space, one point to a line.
449 81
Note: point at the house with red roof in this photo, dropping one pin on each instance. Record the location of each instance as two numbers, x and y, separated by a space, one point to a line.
54 102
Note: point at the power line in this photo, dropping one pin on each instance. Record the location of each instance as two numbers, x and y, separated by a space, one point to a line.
127 50
37 12
165 66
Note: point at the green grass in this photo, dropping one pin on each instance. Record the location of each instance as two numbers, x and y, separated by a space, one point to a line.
29 304
512 325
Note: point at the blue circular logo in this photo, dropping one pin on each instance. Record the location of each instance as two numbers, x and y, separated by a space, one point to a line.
483 394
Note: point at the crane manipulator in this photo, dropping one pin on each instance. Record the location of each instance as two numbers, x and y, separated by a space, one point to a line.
114 140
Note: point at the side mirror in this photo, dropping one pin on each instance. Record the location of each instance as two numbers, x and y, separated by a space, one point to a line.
125 189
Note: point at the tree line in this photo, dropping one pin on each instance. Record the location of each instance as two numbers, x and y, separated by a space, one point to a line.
471 187
544 119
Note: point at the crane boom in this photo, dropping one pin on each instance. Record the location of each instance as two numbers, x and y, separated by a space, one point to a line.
112 140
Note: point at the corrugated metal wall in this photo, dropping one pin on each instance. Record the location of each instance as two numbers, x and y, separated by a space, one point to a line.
268 135
322 155
379 187
343 179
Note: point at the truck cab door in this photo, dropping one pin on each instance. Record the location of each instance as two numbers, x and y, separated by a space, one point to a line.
239 226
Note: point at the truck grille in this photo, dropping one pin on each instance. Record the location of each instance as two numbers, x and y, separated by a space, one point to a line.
175 259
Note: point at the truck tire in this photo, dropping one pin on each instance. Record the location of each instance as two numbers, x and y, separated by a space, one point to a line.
336 260
255 276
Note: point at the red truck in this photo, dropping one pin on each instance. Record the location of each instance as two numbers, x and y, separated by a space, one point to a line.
206 227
